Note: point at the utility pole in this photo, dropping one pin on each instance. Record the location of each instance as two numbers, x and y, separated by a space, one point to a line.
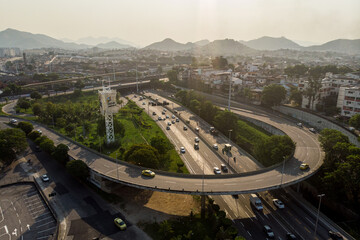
230 90
318 212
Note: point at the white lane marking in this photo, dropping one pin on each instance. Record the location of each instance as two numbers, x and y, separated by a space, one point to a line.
19 220
249 216
6 229
44 237
106 166
43 219
28 226
258 180
249 233
200 184
45 224
242 224
230 184
2 215
310 221
170 182
47 229
14 232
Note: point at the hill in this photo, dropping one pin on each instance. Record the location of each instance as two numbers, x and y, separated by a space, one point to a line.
113 45
25 40
339 45
270 43
170 45
225 47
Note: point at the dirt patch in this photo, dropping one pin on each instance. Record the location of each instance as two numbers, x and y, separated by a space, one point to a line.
149 206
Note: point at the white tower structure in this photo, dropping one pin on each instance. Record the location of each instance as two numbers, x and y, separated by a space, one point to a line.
107 99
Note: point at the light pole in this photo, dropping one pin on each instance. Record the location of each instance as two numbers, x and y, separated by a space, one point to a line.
318 212
282 173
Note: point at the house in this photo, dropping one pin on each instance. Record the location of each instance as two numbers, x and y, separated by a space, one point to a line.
349 101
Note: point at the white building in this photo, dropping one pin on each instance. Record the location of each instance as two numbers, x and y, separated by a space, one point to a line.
349 101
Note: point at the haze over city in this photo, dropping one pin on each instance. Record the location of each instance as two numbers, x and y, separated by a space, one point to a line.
143 22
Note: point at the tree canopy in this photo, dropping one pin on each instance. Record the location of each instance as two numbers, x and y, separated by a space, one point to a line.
355 121
273 95
26 127
142 155
12 142
78 169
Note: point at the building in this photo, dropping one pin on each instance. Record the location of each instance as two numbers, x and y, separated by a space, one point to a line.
349 101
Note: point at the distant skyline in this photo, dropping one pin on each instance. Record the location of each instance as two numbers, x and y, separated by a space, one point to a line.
144 22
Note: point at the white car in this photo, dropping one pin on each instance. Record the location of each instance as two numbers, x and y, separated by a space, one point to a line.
278 203
169 123
182 150
217 170
299 125
173 116
45 178
39 131
177 120
312 130
13 121
197 139
197 129
215 146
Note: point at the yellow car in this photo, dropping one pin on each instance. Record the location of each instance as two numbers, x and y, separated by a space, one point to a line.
148 173
120 223
304 166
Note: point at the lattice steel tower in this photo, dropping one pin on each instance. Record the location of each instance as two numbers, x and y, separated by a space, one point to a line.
107 99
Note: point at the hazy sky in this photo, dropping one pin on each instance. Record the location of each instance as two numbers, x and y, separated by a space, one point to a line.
147 21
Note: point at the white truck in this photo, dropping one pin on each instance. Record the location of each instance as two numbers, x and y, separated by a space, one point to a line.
256 202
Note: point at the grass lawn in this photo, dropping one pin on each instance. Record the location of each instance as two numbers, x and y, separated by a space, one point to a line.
134 134
1 112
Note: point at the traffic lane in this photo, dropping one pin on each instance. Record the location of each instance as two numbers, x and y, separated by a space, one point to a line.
245 163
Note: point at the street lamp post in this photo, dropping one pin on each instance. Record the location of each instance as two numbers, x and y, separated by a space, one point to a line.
318 212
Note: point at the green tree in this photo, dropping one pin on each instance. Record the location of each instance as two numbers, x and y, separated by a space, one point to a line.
61 153
219 63
23 103
329 137
165 229
12 142
35 95
34 135
355 121
160 144
225 121
142 155
79 84
70 129
172 75
273 95
37 109
195 106
47 146
26 127
296 96
78 169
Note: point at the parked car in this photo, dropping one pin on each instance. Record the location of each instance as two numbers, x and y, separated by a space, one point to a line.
217 170
268 231
278 203
120 223
45 178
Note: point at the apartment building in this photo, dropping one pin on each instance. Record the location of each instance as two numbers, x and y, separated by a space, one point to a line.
349 101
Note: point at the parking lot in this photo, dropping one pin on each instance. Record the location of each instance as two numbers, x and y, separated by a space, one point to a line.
24 214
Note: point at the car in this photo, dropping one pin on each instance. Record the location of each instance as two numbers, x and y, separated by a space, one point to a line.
154 113
217 170
163 113
120 223
13 121
290 236
196 146
182 149
215 146
173 116
143 103
197 129
169 123
173 121
185 128
135 96
299 125
45 178
167 116
159 118
167 127
177 120
335 235
39 131
278 203
164 110
304 166
224 168
268 231
312 130
175 111
148 173
197 139
164 118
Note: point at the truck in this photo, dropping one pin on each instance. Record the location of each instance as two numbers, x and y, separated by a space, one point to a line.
256 202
